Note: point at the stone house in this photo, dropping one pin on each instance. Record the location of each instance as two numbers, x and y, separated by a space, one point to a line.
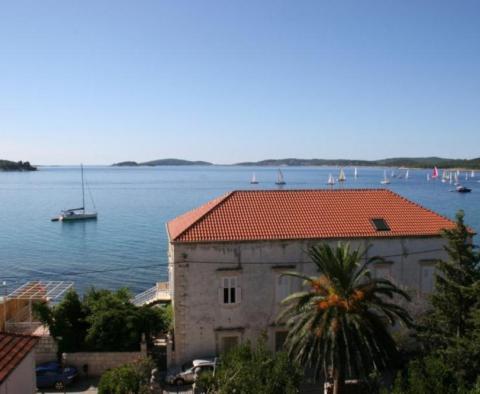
17 364
226 257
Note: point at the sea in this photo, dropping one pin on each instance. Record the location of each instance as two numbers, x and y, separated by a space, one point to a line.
127 245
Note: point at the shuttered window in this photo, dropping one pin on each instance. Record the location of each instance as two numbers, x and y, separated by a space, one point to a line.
229 291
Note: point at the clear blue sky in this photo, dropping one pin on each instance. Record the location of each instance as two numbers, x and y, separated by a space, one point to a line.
226 81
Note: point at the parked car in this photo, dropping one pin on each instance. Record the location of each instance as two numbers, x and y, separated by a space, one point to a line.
52 374
190 371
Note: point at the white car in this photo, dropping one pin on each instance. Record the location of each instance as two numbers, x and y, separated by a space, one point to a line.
189 372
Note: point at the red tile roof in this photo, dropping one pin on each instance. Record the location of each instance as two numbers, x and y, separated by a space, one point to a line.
256 215
13 349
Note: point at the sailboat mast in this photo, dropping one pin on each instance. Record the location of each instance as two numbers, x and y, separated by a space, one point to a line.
83 190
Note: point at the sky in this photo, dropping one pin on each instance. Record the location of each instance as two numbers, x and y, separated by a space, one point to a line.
227 81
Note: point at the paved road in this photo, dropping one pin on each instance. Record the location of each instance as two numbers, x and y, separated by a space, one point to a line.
81 386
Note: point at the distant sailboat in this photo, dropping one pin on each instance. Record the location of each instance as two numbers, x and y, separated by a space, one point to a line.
331 181
77 213
435 173
472 175
341 176
407 174
466 176
428 177
280 180
444 176
254 179
355 173
450 179
456 183
385 180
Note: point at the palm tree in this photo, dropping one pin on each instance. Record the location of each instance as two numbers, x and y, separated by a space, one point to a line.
339 325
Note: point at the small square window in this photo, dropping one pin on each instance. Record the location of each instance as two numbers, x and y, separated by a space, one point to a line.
380 224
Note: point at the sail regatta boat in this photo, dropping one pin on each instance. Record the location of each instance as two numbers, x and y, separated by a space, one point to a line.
254 180
406 174
77 213
355 173
331 181
341 176
385 180
280 180
435 173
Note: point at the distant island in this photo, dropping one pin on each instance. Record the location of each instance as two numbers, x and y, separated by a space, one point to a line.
412 162
162 162
7 165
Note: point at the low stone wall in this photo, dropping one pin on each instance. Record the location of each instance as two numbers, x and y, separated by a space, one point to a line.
99 362
46 350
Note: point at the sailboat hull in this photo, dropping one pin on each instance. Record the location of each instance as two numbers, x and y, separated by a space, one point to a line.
77 216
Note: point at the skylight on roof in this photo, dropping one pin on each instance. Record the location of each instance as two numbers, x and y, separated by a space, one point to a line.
380 224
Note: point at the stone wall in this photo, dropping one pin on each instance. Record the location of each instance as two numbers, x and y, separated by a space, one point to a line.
46 350
99 362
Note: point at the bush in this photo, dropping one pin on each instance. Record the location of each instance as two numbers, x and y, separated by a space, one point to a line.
133 378
247 369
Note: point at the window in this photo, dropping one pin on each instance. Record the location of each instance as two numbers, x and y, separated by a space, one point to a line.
283 287
427 278
380 224
280 337
229 292
229 342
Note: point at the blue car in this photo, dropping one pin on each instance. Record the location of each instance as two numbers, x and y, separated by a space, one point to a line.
53 375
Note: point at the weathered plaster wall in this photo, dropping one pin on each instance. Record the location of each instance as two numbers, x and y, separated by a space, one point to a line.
196 271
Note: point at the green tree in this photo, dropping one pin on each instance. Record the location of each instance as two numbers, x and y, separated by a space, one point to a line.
66 321
339 326
133 378
103 321
451 329
252 369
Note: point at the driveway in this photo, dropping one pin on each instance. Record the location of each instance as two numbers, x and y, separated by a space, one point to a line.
81 385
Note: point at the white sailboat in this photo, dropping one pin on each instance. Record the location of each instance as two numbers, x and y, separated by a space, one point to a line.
472 174
450 179
77 213
355 173
331 181
254 179
466 176
280 180
407 174
456 183
385 180
341 176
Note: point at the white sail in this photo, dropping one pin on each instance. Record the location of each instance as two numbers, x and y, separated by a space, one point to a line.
406 175
341 176
254 179
450 179
472 175
331 181
355 173
280 180
385 180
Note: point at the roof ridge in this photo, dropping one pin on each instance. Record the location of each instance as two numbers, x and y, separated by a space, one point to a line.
220 201
420 205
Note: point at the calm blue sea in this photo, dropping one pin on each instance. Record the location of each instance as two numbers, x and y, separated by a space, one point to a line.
127 245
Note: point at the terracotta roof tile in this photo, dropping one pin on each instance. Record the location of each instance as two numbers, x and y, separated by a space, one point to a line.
13 349
305 214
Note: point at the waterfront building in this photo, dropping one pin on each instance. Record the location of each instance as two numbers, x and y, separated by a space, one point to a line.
227 256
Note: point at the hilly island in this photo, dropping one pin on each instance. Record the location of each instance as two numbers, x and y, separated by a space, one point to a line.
7 165
413 162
